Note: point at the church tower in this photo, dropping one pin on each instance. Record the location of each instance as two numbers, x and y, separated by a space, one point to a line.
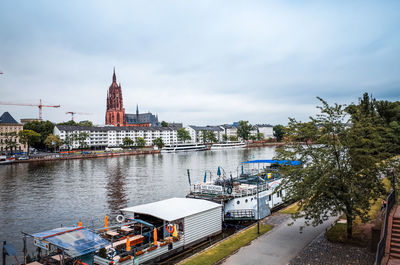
115 114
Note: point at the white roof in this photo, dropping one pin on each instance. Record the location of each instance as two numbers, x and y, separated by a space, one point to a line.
174 208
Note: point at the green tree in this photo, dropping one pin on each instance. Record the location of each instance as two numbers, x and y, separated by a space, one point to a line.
243 130
211 138
69 140
140 142
279 132
68 123
164 124
74 123
252 137
224 137
338 172
183 135
158 142
127 142
233 138
81 138
85 123
10 141
204 136
53 142
44 128
29 137
260 136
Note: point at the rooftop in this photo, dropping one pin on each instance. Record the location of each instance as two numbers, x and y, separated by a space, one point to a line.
206 128
173 209
70 128
7 118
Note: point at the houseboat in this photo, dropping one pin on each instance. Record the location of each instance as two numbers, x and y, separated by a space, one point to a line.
250 196
140 234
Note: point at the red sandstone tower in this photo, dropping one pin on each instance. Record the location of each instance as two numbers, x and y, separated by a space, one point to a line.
115 114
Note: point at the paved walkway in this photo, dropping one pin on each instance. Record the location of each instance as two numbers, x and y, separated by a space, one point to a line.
280 245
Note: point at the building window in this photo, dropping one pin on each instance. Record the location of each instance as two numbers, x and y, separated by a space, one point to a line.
238 202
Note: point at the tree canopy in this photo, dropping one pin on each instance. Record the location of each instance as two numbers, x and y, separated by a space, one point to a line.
339 171
53 141
140 142
243 130
279 132
74 123
158 142
183 135
29 137
44 128
127 142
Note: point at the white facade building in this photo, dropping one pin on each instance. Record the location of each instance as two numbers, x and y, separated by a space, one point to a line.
229 130
196 132
110 136
265 129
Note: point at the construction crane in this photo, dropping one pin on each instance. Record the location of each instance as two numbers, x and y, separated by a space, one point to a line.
79 113
40 106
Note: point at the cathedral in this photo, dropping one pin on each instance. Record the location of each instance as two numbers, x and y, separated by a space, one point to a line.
115 114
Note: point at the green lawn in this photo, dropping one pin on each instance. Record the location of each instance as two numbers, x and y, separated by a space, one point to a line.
291 209
227 247
338 232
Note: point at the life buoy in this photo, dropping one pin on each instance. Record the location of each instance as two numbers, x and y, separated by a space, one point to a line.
111 253
229 190
120 218
170 228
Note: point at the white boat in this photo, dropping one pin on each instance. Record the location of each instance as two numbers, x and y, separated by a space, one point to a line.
228 145
248 197
183 148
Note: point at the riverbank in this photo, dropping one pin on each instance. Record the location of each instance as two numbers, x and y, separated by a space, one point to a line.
102 154
87 156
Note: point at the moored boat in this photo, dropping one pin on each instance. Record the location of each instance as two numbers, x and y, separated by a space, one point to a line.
183 148
250 196
228 145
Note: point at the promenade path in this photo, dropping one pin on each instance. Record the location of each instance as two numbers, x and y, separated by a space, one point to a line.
280 245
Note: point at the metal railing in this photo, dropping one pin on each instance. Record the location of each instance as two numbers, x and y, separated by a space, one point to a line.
381 248
247 214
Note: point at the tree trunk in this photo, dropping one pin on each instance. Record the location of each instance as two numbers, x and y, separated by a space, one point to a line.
349 227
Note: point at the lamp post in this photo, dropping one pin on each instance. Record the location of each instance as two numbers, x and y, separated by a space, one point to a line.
258 206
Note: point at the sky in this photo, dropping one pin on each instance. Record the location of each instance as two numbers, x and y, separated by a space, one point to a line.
197 62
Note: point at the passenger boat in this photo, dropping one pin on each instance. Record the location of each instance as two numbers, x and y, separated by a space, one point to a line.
183 148
4 160
228 145
251 196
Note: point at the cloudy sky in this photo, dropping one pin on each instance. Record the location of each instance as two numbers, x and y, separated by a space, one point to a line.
197 62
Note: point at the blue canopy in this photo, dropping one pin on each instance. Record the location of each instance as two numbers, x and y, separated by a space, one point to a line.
280 162
74 240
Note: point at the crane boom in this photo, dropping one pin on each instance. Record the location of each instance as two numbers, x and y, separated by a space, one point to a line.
79 113
40 106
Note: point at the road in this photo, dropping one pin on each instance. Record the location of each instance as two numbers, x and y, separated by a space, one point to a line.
280 245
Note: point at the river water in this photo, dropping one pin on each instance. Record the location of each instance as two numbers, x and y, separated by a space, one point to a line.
39 196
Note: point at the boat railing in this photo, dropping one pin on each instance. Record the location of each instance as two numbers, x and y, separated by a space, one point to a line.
228 191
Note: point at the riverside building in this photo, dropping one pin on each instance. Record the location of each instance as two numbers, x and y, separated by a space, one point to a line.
9 140
111 136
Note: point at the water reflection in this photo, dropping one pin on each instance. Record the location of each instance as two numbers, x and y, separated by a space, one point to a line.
39 196
116 186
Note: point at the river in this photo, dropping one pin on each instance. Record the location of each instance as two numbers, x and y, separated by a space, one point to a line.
43 195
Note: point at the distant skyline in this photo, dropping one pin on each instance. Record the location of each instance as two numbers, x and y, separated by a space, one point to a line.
197 62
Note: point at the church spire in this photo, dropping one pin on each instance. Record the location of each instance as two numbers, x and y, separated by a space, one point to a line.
114 76
137 109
